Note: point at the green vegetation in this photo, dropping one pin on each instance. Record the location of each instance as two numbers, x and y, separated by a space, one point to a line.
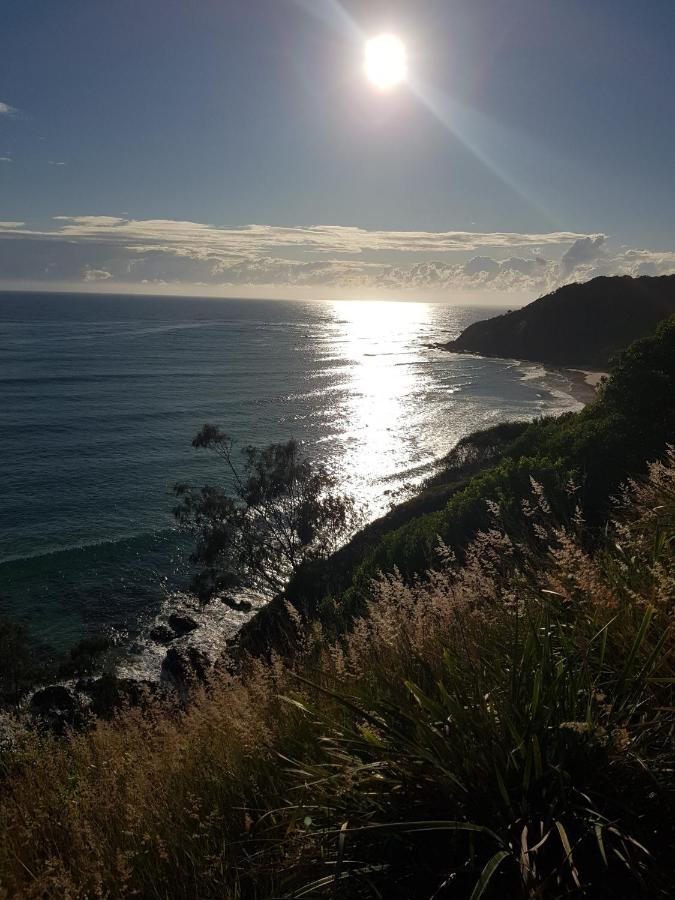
492 718
597 448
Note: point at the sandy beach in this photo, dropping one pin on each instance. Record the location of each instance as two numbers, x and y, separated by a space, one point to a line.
584 383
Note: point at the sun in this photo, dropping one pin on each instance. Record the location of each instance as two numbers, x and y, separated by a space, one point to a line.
386 61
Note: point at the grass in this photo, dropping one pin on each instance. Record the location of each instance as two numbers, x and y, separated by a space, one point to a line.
502 727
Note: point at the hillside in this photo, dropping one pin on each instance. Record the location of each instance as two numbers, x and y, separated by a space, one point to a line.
577 325
631 421
501 726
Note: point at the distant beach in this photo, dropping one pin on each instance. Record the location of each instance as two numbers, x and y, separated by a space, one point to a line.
585 383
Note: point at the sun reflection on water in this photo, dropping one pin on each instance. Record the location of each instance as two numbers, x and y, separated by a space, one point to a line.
381 345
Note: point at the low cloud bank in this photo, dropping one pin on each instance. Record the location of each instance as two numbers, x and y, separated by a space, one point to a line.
114 250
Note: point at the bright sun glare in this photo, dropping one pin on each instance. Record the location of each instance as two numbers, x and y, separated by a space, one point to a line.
386 61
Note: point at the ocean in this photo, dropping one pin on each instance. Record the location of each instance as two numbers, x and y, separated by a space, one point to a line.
101 395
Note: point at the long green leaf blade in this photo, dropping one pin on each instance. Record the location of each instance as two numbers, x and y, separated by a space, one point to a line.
486 875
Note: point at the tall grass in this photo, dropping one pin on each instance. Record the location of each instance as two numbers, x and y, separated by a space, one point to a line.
503 728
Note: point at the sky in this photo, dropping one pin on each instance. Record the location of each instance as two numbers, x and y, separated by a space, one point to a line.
237 148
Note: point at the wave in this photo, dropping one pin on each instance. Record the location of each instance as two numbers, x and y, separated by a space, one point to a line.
84 546
532 373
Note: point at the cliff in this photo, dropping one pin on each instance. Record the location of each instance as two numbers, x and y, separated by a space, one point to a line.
577 325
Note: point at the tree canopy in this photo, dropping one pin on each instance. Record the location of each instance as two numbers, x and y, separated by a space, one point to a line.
280 510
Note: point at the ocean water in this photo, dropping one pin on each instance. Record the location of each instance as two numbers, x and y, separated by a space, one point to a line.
100 397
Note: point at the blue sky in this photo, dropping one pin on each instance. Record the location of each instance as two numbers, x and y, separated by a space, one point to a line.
551 120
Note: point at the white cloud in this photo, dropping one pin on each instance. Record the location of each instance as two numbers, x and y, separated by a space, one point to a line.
583 250
161 233
481 265
650 262
168 252
96 274
6 159
6 109
53 162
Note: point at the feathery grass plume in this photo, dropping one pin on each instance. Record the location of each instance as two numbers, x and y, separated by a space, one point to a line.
501 727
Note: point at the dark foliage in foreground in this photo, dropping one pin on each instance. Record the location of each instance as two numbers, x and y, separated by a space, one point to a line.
19 667
25 665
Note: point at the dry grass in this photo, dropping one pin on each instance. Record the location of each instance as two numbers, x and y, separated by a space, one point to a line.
503 726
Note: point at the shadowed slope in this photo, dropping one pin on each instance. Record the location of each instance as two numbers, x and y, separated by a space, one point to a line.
577 325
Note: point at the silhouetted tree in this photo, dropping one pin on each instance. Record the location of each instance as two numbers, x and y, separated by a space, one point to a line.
282 510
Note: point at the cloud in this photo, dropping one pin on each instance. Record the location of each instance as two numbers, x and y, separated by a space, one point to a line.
481 264
117 250
6 159
162 233
6 109
583 250
96 274
534 276
532 267
53 162
649 262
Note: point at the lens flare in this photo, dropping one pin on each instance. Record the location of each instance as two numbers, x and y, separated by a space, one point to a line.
386 61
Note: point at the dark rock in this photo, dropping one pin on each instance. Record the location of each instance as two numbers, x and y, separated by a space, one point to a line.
185 665
235 603
53 698
182 625
162 634
240 605
85 657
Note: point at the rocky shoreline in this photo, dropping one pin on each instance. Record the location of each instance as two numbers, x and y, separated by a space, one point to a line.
179 649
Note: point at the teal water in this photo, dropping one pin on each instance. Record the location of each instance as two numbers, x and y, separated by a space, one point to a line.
101 395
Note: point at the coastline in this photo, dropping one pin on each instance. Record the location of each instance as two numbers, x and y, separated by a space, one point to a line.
217 634
584 383
156 663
